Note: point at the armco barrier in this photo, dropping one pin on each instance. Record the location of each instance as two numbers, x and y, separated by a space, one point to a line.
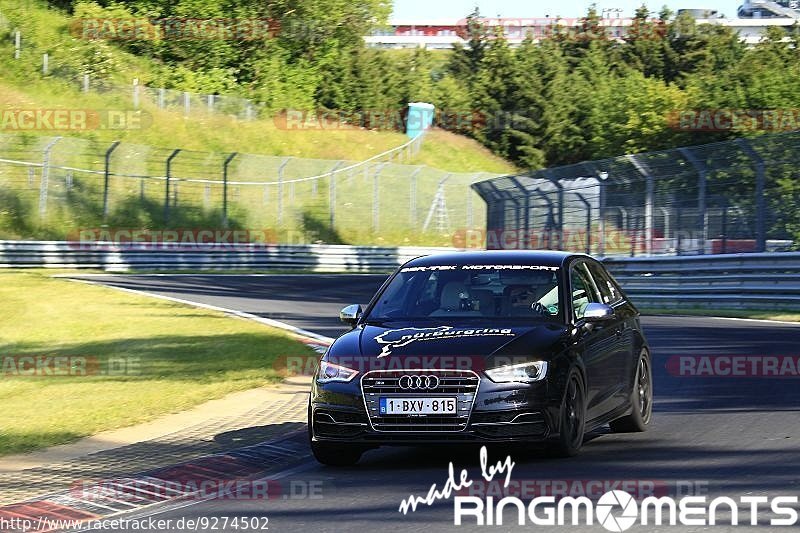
733 281
117 258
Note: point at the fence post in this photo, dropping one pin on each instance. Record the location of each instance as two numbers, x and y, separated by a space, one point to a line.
470 218
412 201
210 101
702 177
280 188
588 207
45 64
332 196
602 177
186 104
761 236
17 44
225 188
161 97
86 83
106 175
645 171
172 156
560 197
376 206
45 177
526 223
136 93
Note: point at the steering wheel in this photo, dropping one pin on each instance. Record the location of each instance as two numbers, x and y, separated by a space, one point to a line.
539 308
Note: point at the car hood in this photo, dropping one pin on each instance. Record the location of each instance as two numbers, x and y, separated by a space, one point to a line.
484 345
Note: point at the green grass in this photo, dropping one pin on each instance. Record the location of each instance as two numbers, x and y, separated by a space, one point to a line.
220 133
44 29
186 356
144 151
783 316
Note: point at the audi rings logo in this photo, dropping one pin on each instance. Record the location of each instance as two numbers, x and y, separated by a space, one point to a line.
419 382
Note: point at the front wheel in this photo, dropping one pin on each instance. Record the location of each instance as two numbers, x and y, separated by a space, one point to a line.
334 454
573 420
641 400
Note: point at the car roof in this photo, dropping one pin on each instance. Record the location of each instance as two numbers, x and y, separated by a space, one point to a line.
499 257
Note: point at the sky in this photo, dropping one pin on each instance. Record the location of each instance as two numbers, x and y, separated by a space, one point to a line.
436 9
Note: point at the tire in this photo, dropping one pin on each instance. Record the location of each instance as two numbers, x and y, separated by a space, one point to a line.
335 454
332 453
641 399
572 424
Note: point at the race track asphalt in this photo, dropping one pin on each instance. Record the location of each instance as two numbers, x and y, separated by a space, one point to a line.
721 436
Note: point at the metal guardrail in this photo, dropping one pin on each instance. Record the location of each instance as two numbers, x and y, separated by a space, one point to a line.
734 281
114 257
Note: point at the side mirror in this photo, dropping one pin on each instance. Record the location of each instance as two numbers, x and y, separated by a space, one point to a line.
595 313
350 314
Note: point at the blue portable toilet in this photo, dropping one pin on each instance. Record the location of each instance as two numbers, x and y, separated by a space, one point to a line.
420 118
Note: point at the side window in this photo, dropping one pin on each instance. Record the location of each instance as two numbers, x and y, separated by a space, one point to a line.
583 290
608 289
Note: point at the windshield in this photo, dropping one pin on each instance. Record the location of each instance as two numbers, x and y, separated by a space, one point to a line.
479 291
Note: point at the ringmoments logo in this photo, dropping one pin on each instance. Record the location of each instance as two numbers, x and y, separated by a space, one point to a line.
618 511
615 510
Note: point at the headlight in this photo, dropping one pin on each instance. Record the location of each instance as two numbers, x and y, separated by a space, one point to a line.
328 372
525 372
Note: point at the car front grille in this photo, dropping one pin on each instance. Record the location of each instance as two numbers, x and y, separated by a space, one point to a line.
461 384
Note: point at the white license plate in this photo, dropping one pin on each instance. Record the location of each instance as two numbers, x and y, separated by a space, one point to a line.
417 406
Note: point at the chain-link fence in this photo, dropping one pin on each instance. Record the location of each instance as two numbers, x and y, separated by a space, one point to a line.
55 187
71 66
734 196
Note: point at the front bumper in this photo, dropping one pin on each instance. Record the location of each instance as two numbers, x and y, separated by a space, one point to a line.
487 411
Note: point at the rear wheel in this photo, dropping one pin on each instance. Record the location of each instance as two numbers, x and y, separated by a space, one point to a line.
641 400
573 420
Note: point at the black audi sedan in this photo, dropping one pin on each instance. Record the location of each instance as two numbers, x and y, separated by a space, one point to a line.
496 346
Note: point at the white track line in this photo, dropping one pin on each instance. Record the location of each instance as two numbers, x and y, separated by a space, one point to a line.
764 321
241 314
315 336
201 274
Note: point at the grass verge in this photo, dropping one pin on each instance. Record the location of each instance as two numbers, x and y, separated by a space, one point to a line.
170 357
